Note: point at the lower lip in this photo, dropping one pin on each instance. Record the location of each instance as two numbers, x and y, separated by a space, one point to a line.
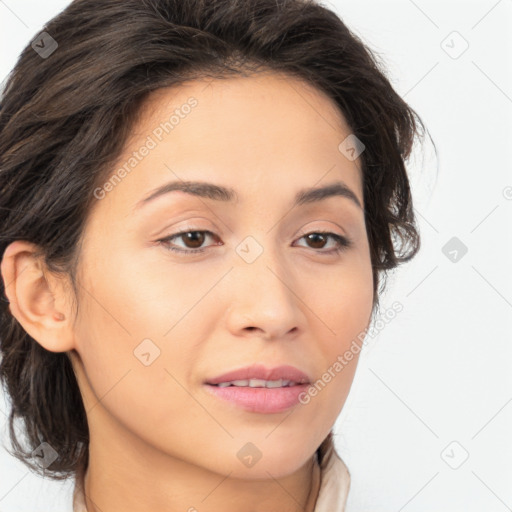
261 400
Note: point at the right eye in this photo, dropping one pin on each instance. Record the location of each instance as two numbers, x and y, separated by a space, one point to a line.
195 238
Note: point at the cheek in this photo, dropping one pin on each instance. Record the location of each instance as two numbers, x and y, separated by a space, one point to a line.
135 337
343 300
145 391
343 304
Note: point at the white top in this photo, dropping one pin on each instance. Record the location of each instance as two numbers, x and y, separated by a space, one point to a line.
332 495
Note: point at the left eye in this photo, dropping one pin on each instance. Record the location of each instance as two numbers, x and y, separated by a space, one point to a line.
196 238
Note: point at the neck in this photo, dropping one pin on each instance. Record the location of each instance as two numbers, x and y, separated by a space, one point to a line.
99 497
120 479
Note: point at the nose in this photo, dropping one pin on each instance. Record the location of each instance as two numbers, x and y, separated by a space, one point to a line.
262 299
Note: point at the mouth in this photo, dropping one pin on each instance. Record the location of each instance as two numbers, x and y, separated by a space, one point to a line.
258 375
260 390
257 383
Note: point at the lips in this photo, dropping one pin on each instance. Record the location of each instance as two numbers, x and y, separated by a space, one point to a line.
261 372
259 400
259 389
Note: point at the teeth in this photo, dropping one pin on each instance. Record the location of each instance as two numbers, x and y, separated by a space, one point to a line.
258 383
275 383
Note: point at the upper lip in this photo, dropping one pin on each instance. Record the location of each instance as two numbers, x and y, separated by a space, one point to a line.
258 371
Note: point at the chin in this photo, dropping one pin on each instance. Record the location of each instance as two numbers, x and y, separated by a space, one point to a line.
275 464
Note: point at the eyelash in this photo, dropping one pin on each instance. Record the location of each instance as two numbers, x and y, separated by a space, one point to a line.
343 242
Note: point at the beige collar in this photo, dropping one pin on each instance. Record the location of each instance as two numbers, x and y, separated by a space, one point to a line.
334 485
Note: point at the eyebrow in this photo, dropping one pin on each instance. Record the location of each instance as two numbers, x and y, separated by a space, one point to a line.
227 194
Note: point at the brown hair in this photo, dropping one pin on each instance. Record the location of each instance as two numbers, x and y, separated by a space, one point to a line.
65 117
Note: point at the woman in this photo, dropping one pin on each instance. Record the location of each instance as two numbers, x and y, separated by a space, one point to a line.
198 202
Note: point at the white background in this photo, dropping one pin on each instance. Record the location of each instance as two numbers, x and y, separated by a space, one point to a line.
439 372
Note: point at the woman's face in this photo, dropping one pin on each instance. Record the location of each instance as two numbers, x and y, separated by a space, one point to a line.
155 325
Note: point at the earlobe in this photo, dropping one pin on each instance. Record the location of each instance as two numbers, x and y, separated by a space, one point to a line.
37 298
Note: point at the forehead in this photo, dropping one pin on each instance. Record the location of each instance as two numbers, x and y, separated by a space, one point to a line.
244 95
257 110
266 130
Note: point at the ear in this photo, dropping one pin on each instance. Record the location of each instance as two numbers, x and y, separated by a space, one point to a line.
38 298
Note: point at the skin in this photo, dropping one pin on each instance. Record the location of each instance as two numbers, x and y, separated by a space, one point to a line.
158 440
